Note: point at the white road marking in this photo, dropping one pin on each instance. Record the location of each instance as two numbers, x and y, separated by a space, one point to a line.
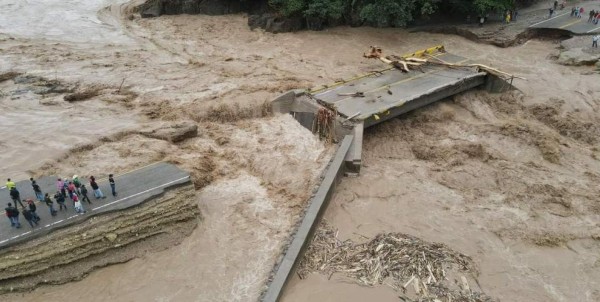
532 25
140 193
15 237
54 223
595 29
102 206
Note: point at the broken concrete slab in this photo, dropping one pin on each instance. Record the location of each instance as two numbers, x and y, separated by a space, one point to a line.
577 57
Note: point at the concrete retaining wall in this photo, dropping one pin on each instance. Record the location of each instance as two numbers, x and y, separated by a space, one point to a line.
319 202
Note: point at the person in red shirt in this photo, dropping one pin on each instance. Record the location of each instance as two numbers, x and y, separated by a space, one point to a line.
581 10
71 189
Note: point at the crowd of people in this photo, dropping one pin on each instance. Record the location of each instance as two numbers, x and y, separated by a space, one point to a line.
73 189
593 16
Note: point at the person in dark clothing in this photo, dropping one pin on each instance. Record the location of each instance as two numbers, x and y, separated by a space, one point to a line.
592 14
16 196
29 217
555 4
111 181
36 189
96 188
50 204
83 190
60 199
63 191
13 214
32 209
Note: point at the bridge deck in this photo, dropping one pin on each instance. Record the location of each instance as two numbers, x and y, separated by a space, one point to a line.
391 92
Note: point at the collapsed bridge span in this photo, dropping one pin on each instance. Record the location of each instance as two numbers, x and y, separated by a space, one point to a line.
340 112
414 81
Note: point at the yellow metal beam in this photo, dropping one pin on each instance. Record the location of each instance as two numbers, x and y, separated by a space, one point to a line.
429 51
432 51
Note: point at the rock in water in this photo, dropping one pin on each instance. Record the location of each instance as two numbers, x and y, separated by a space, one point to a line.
577 57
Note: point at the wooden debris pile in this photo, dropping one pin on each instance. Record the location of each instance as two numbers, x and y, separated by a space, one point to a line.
324 124
403 63
398 260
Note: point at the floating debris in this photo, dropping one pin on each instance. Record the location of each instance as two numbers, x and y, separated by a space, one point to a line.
397 260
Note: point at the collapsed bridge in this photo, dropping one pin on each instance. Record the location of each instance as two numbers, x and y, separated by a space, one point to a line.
414 80
340 113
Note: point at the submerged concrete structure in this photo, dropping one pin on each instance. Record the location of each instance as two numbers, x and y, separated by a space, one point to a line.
359 103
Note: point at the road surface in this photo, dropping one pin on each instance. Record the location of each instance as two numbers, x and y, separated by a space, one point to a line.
133 188
562 19
392 92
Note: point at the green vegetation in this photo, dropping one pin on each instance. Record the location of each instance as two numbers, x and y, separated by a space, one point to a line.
383 13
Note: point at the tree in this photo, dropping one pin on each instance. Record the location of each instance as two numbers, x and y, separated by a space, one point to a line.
382 13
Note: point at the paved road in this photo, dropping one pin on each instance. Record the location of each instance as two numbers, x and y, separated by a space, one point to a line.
133 188
563 20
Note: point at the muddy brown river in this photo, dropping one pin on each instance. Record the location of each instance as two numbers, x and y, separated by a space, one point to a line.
510 180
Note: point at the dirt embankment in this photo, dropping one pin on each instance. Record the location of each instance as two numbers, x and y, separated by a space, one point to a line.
71 253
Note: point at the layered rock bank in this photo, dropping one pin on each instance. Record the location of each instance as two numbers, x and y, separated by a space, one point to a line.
71 253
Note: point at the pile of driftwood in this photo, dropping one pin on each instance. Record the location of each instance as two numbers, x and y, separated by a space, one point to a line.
405 64
398 260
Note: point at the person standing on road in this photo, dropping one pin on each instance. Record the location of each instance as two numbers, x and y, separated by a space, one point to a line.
78 205
77 183
97 193
59 184
581 11
60 199
36 189
13 214
597 18
595 41
555 4
32 209
592 14
551 10
10 184
83 190
29 217
50 204
16 196
71 189
111 181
